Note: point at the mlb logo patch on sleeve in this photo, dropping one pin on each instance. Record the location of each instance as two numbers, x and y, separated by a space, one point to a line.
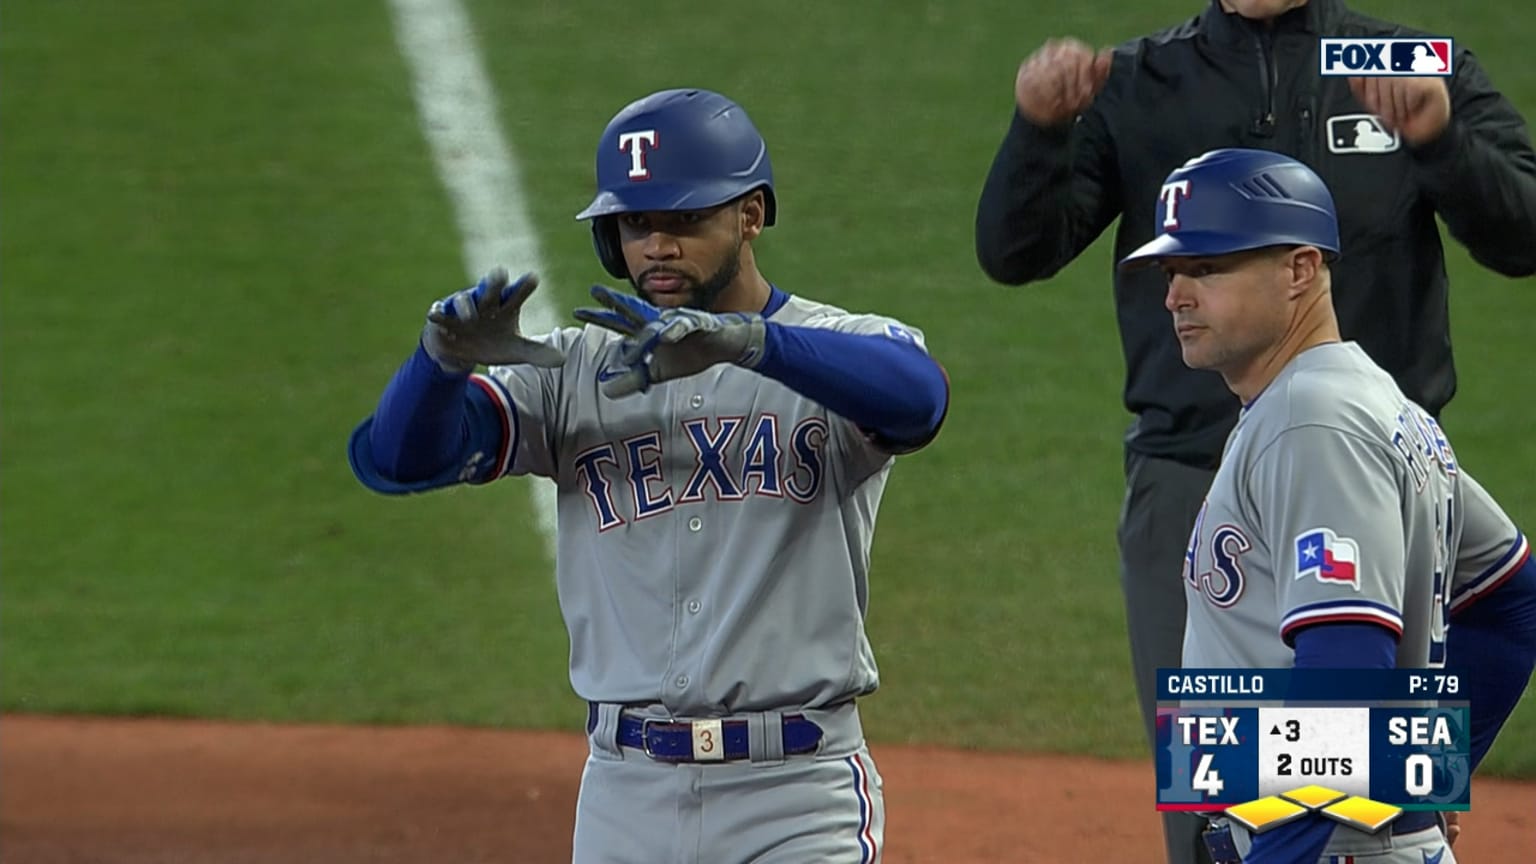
1428 55
1328 557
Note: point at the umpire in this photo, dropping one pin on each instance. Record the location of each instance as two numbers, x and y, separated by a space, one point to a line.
1092 139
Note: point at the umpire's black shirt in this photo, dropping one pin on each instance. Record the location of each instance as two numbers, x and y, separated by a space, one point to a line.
1220 80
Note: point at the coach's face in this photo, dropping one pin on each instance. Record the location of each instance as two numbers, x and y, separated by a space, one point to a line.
1229 310
688 257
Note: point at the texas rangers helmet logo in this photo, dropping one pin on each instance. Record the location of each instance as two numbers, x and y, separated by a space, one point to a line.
1170 196
1329 557
637 144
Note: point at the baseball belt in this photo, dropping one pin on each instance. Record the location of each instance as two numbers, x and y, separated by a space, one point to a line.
721 740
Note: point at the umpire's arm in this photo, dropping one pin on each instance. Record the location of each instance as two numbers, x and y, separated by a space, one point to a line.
1050 193
1480 174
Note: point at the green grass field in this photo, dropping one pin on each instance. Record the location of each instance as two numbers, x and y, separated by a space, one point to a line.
222 224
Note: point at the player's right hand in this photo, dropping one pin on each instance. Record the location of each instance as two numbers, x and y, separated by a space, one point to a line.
1059 81
479 325
663 344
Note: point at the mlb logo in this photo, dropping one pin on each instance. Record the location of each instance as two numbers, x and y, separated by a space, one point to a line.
1385 57
1328 557
1361 133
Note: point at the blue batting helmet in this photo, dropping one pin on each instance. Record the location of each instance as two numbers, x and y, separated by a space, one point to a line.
1232 200
674 150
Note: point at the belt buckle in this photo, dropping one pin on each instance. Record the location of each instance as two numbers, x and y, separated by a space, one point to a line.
645 738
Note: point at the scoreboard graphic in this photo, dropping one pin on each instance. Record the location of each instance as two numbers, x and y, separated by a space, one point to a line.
1269 746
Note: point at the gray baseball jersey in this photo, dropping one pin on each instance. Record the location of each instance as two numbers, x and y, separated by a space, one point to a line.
1338 499
1492 548
714 533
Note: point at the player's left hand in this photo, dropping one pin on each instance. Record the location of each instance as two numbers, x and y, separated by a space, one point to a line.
480 325
1452 826
663 344
1419 109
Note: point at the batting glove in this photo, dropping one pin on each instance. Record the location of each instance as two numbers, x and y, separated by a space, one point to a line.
663 344
479 325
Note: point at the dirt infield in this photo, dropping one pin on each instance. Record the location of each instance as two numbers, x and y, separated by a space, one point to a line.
86 791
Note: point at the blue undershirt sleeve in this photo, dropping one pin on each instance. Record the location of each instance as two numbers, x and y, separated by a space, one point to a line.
1491 645
888 387
431 429
1346 646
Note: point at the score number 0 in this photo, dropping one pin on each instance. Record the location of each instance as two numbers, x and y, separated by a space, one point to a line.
1418 774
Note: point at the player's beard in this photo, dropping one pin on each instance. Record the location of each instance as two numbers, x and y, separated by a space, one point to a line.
701 295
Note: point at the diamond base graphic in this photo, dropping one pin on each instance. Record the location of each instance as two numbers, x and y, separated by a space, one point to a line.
1315 797
1266 813
1361 814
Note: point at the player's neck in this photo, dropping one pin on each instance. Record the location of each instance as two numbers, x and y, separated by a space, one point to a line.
748 292
1315 325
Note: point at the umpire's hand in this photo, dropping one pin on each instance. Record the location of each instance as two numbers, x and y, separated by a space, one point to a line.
1418 108
1058 81
479 325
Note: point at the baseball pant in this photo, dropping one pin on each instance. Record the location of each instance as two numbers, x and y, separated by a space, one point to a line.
826 806
1162 500
1356 847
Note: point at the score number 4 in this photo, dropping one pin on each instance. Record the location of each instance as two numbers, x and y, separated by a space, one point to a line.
1206 779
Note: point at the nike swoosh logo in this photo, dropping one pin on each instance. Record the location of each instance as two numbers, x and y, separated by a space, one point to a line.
1435 859
610 374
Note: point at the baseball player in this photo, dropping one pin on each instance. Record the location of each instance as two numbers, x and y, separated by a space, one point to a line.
720 448
1340 529
1092 136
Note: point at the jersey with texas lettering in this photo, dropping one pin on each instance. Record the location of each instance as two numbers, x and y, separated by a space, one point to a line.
1338 499
714 532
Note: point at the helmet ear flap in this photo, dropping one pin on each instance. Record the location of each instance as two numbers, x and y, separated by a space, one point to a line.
605 240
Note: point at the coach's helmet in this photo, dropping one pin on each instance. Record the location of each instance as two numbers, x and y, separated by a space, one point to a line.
1233 200
674 150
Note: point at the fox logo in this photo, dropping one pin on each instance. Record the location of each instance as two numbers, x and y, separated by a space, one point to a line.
1385 57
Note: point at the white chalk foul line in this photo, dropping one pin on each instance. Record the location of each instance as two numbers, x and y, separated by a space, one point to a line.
477 166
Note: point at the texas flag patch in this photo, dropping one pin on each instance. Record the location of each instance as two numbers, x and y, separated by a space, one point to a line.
1329 557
